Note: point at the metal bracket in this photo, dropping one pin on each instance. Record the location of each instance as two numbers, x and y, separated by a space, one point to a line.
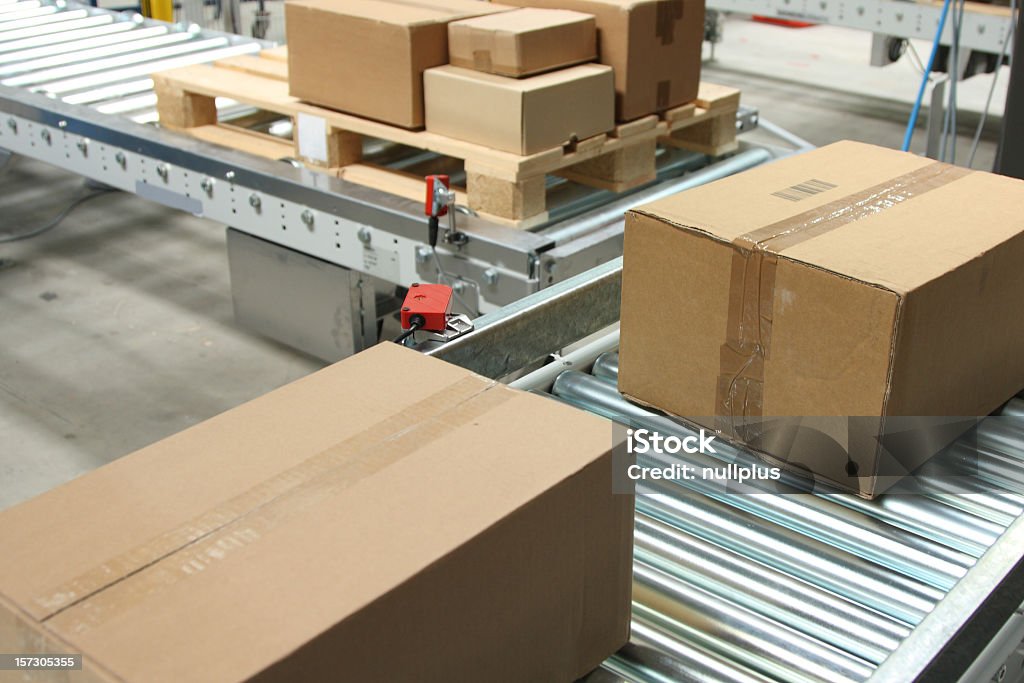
458 325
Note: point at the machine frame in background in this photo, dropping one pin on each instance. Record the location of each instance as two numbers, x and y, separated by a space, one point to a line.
984 28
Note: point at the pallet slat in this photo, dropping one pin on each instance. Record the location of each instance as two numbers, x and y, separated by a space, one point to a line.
244 140
257 66
500 185
395 182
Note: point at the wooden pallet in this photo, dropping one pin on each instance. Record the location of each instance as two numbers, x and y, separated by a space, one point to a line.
504 187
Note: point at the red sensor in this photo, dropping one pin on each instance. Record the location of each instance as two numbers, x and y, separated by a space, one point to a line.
435 183
430 302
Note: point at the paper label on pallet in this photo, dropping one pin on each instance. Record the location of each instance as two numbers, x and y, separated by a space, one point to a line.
312 136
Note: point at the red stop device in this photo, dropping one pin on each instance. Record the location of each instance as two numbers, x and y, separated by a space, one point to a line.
433 303
435 183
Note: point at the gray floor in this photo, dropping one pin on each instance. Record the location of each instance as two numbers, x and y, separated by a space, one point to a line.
117 331
117 326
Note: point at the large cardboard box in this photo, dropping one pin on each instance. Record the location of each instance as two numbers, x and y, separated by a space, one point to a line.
520 115
367 57
523 42
386 519
653 45
826 309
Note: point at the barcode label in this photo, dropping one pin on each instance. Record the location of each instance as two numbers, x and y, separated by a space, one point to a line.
806 189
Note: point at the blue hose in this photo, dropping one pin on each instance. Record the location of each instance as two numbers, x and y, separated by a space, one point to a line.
924 78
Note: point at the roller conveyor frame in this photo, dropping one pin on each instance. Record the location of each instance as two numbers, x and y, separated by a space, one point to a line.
97 126
929 581
91 114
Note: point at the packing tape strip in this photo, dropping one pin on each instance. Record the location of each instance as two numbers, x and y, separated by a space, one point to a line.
195 558
386 440
740 391
482 60
663 94
21 634
667 15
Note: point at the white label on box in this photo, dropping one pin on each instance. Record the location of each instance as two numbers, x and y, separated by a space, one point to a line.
312 137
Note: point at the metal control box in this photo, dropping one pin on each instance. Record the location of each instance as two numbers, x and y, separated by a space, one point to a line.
320 308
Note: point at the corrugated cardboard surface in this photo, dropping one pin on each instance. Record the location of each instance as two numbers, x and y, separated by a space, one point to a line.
653 45
385 519
367 57
520 115
523 42
881 284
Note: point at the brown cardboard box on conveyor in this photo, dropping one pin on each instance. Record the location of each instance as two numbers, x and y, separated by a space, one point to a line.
845 312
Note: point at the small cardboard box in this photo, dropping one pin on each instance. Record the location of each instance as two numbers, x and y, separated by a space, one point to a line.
653 45
523 42
367 57
385 519
520 115
827 308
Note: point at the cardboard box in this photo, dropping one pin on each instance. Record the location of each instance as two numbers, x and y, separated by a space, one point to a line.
831 310
385 519
523 42
520 115
653 45
367 57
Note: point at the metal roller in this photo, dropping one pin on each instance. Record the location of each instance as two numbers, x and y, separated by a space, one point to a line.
967 495
768 592
690 614
972 533
42 20
814 516
706 559
890 592
607 366
26 13
112 64
148 40
654 657
104 29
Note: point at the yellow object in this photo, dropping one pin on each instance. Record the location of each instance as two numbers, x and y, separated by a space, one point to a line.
158 9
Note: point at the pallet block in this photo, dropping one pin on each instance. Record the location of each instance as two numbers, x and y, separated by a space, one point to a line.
504 187
617 171
511 199
714 137
711 127
179 108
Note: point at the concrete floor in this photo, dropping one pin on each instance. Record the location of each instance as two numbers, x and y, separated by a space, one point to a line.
117 325
117 331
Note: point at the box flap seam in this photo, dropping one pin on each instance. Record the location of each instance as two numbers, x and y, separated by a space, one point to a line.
306 473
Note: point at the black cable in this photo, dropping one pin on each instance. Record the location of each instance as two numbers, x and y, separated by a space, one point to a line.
432 226
50 225
896 48
415 323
